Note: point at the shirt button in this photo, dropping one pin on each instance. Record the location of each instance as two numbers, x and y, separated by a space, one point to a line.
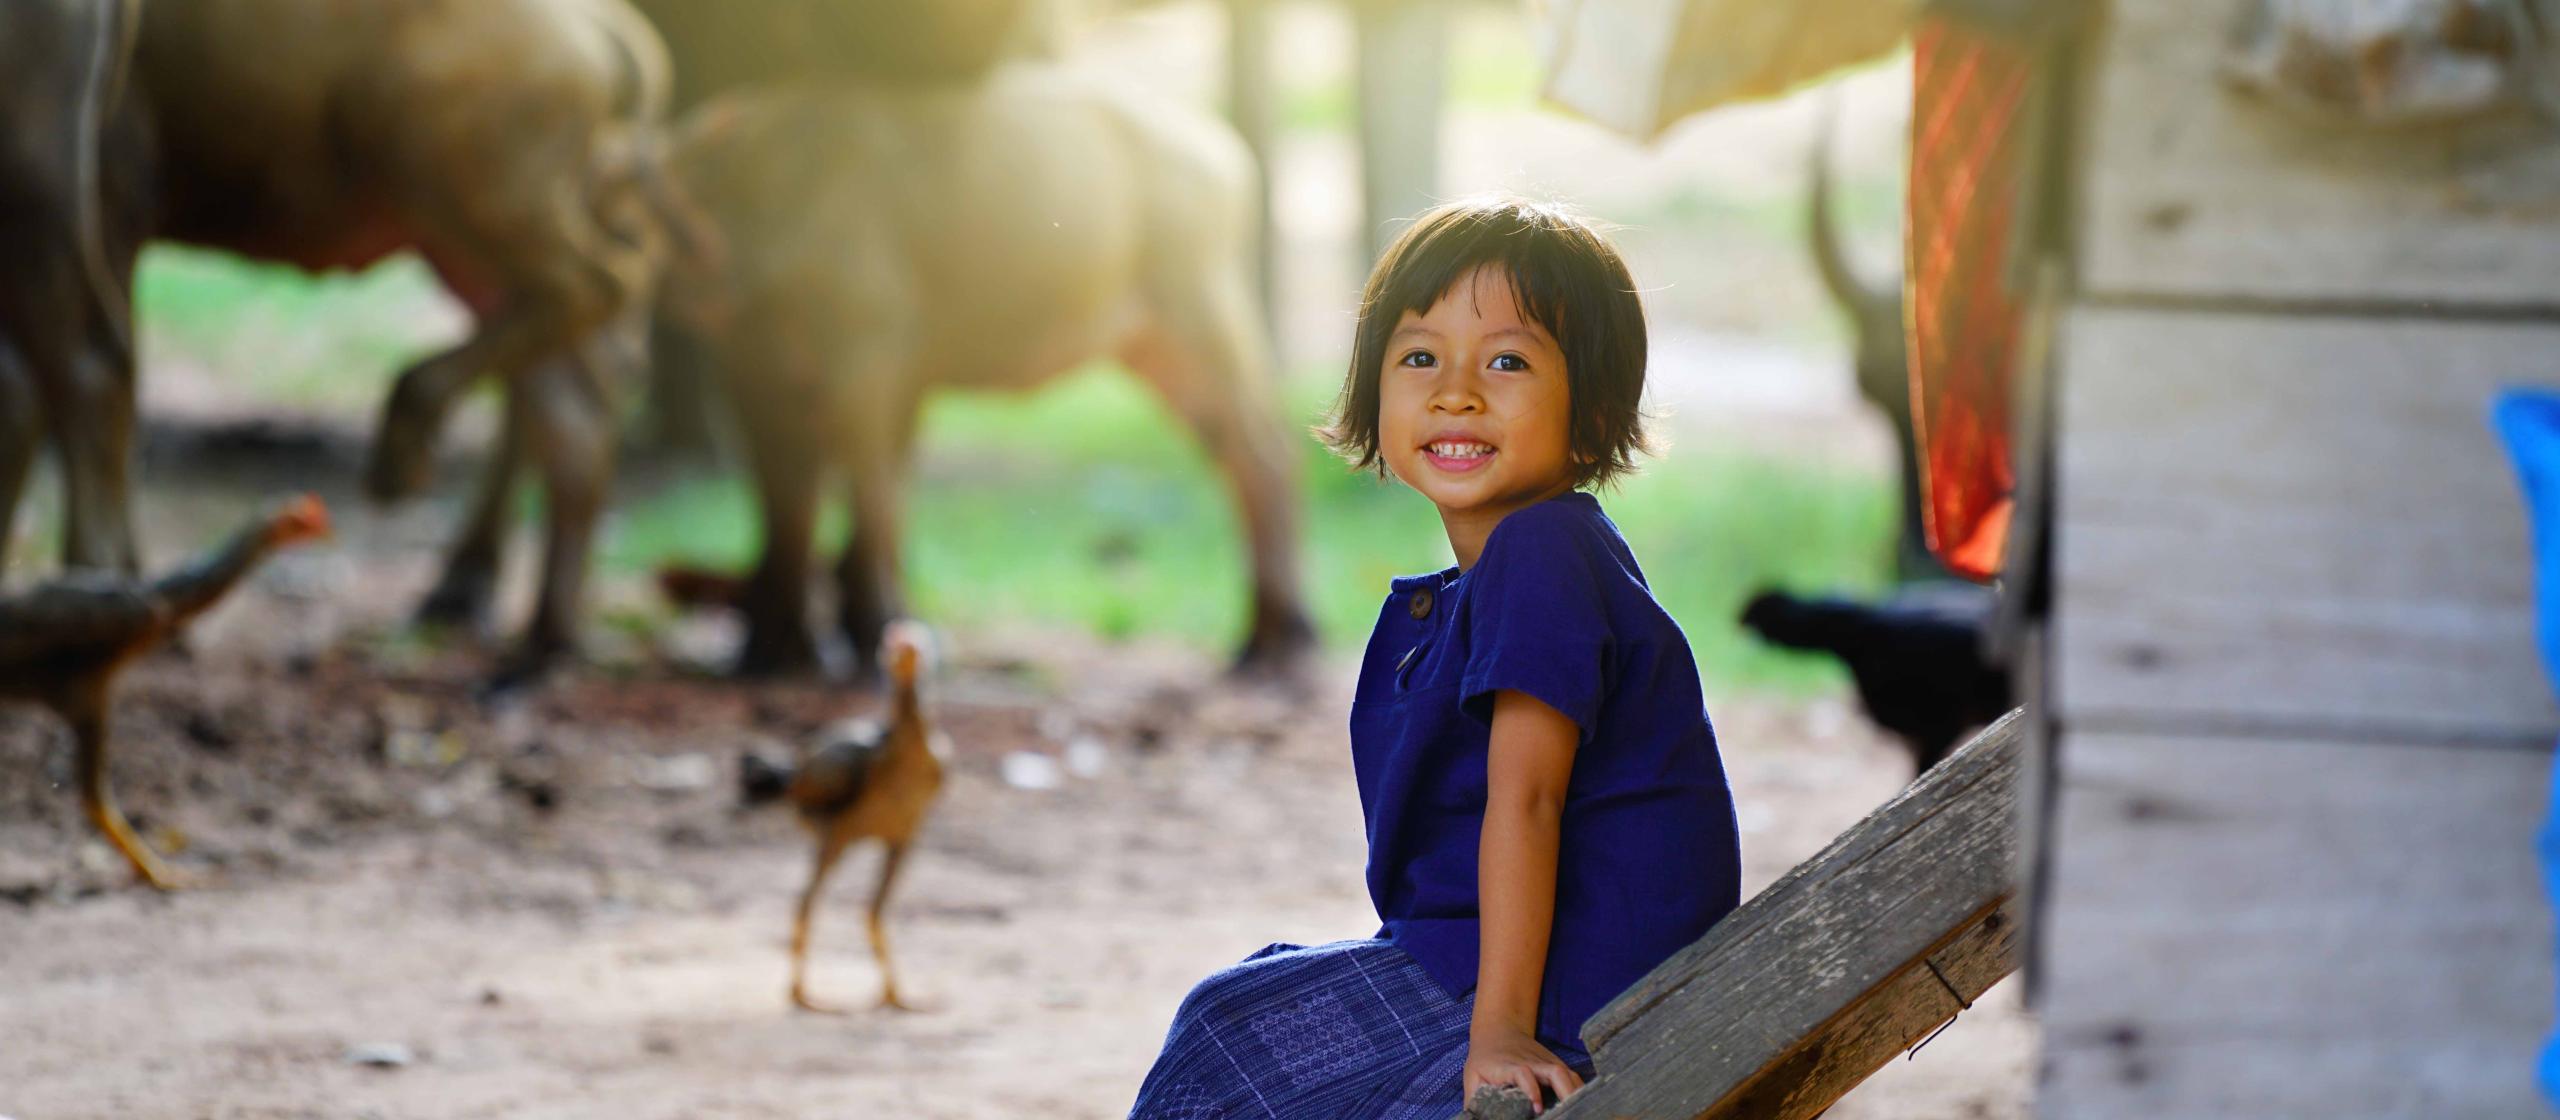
1420 604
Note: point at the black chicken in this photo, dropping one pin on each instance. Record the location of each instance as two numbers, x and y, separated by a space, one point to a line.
62 643
1919 658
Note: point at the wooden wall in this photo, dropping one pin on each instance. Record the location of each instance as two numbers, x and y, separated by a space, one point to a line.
2300 741
2294 521
2198 192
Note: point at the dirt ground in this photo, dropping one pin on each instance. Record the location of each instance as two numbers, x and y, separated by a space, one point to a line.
557 907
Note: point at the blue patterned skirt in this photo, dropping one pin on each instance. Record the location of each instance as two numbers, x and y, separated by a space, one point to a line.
1352 1030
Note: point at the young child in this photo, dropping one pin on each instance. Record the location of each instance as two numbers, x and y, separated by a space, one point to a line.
1547 815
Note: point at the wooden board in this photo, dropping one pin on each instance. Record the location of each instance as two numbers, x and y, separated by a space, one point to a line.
1819 980
2194 191
2296 522
2273 929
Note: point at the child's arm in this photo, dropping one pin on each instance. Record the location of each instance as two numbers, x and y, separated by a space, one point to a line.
1529 761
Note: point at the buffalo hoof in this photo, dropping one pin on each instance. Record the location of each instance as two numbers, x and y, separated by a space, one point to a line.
402 460
395 475
777 652
462 600
862 636
521 672
1280 651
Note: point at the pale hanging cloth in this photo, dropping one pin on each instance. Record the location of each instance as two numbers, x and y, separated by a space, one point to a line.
1638 66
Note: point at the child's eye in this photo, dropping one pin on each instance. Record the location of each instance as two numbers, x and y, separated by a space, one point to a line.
1418 359
1510 362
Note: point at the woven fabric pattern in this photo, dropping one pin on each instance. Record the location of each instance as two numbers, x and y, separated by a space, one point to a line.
1351 1030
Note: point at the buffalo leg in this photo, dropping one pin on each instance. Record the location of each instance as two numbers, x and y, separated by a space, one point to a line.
520 239
1206 360
781 437
96 444
465 594
571 430
868 591
21 432
507 341
684 399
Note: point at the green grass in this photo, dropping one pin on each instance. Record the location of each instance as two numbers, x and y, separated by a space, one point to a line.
1087 505
280 334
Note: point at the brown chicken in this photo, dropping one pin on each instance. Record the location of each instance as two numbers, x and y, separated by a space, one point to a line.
861 784
62 643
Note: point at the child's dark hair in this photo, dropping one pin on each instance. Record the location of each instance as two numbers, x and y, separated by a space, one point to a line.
1566 277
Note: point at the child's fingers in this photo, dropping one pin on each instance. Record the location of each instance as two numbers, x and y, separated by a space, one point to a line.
1562 1078
1526 1080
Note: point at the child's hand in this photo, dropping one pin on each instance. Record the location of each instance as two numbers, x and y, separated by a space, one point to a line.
1508 1056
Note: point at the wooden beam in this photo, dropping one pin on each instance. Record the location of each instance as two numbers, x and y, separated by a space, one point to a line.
1816 982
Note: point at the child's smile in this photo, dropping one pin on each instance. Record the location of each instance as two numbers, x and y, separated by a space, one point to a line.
1474 408
1457 456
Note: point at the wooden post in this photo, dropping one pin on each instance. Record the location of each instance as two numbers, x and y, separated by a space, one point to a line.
1403 50
1250 108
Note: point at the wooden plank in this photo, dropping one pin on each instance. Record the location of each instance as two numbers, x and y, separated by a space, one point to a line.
2191 190
2293 521
1816 982
2294 928
1838 1055
1882 1025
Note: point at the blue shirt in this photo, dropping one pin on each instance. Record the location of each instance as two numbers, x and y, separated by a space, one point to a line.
1648 856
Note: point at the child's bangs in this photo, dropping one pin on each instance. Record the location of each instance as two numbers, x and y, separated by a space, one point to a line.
1527 255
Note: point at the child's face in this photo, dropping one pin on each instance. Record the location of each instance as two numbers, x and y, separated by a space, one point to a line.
1473 406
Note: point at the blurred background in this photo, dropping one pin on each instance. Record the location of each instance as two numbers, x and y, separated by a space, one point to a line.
426 900
1777 472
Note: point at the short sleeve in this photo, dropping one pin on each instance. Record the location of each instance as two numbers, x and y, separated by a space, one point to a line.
1538 621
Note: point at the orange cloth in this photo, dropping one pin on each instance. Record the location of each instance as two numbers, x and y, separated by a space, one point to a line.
1962 318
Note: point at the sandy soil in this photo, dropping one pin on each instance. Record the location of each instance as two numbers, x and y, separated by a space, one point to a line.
558 908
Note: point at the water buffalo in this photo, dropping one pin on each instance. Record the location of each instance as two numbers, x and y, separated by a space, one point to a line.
882 239
66 334
512 143
742 44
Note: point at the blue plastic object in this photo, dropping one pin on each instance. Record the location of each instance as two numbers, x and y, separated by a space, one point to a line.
2529 419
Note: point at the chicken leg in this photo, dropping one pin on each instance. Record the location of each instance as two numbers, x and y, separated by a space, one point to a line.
830 849
87 715
889 860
